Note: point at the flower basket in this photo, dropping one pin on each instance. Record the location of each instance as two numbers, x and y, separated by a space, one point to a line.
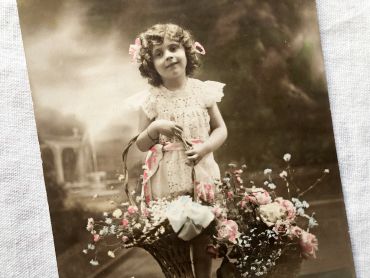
256 232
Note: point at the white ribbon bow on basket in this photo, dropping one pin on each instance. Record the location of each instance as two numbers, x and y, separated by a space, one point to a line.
187 218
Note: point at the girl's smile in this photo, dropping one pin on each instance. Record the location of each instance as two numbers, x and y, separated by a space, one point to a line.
172 64
170 60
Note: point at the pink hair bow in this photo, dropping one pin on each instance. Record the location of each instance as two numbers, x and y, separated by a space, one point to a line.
134 50
199 48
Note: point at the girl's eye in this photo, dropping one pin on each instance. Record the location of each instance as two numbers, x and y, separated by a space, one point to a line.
157 54
174 47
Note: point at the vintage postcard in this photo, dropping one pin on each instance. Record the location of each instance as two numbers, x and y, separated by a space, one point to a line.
186 138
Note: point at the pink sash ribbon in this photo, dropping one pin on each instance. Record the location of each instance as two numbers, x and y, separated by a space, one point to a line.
153 158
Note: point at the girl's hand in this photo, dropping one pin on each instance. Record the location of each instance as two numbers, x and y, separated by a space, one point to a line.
196 154
167 128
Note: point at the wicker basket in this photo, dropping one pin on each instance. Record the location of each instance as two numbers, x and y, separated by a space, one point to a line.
172 255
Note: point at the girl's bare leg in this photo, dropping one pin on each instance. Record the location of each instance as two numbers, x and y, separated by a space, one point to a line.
202 261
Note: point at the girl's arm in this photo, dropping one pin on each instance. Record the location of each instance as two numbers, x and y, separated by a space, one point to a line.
218 130
216 139
144 142
150 131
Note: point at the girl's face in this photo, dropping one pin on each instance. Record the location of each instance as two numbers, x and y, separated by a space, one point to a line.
170 60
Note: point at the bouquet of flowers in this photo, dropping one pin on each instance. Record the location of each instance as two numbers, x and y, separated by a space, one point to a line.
258 232
127 227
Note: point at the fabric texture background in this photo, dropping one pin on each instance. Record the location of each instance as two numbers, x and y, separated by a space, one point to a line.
26 243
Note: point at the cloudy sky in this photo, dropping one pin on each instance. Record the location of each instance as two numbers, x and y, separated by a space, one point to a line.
78 73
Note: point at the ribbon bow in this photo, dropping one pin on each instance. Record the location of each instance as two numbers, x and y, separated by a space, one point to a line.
134 50
199 48
188 218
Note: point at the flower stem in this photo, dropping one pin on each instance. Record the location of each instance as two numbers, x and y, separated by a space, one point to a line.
312 186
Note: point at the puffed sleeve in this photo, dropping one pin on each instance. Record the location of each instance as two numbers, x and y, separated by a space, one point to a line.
213 92
149 106
145 101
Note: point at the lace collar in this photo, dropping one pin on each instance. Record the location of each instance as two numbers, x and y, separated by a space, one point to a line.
177 92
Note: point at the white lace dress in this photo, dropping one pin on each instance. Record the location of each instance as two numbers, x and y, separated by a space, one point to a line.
188 108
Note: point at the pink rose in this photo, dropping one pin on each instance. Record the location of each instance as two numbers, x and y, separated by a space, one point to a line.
124 238
281 227
96 237
228 229
295 231
125 223
258 196
206 192
289 207
132 209
309 244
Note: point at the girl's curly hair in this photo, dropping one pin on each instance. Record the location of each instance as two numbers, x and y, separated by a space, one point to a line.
155 35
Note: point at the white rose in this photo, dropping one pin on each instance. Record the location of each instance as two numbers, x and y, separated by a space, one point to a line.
267 171
271 213
111 254
287 157
91 246
94 262
117 213
104 231
283 174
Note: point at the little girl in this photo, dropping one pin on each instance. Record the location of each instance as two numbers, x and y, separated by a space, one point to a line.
177 110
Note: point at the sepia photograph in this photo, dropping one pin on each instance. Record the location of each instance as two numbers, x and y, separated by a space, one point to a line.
186 138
